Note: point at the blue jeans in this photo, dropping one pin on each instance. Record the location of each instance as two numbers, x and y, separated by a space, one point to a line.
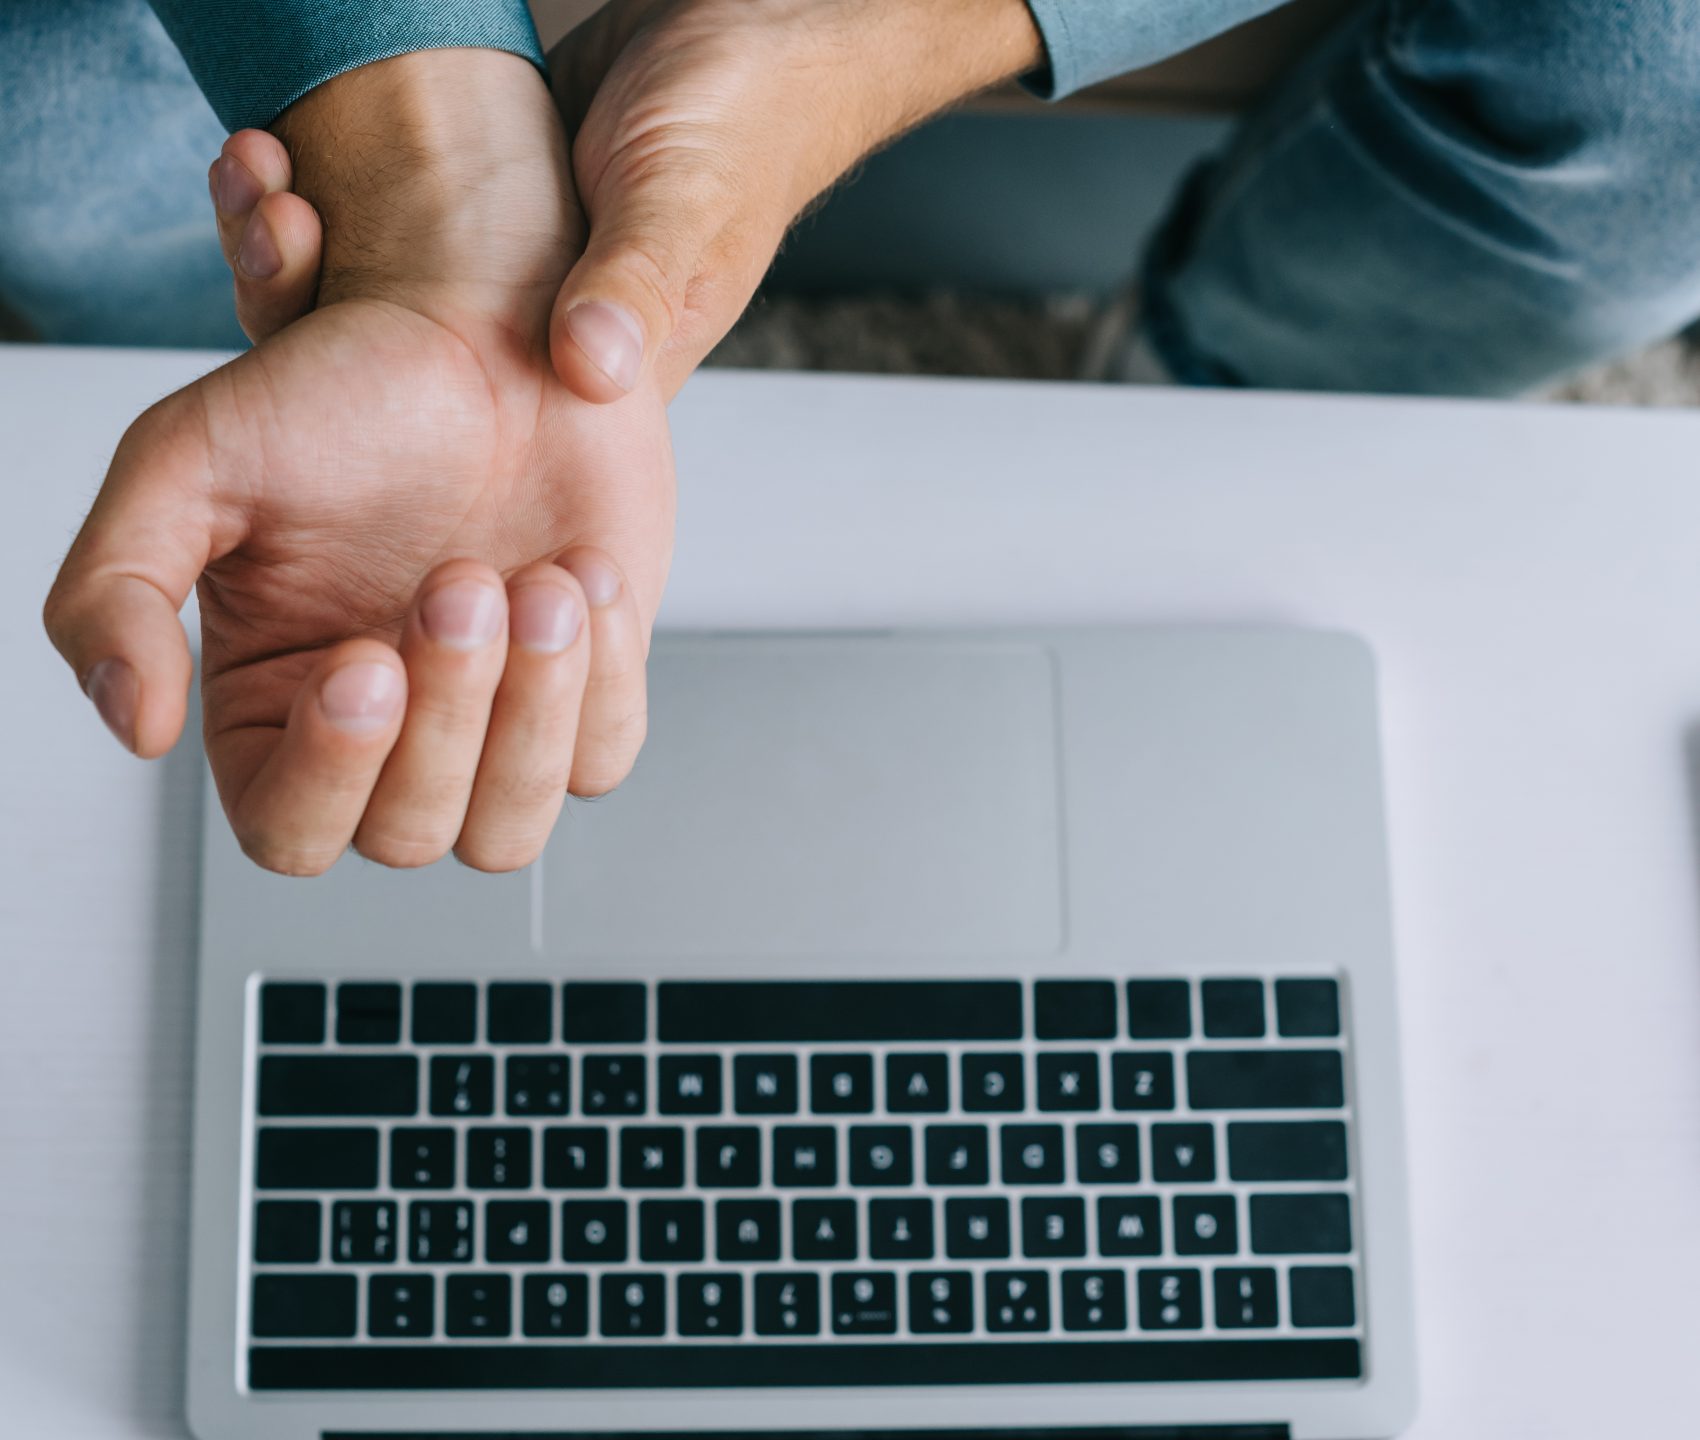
1462 196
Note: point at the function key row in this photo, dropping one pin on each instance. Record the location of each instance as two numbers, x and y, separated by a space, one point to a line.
708 1305
746 1231
800 1157
793 1012
1265 1078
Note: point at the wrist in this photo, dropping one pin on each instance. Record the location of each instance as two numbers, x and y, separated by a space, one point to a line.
431 168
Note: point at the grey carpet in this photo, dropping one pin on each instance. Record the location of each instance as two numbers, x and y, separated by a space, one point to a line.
952 334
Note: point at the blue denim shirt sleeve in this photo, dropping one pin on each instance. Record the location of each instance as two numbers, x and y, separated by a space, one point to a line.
254 58
1090 40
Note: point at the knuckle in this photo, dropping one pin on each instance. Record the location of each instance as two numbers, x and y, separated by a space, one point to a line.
299 861
498 857
400 852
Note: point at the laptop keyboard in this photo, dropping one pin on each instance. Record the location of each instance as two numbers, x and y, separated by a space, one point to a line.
750 1183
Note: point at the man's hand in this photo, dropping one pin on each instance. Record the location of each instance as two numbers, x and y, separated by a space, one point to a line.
427 571
701 128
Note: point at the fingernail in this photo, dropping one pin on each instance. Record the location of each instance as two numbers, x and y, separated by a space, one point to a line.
463 615
599 580
235 188
361 698
257 256
544 619
113 688
611 338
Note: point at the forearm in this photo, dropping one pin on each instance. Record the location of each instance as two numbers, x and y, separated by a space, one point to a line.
419 165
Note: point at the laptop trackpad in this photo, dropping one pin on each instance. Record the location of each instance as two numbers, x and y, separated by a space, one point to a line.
818 796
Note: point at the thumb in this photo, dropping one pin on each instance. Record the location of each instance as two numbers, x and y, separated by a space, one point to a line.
621 302
112 612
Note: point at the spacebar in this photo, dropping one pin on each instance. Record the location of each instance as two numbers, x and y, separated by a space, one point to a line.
707 1012
644 1367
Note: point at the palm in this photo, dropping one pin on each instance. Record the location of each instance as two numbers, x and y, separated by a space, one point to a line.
368 443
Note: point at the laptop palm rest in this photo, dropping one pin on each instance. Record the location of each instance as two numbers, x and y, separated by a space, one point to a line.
841 797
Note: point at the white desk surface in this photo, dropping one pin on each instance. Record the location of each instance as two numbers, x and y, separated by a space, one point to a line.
1530 578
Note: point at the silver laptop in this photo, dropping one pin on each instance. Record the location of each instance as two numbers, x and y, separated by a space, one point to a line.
938 1033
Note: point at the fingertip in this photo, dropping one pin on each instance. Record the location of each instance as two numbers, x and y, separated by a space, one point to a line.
596 348
546 610
363 697
598 576
263 156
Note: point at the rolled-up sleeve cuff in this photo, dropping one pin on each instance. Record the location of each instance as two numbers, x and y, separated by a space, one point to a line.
1091 40
255 58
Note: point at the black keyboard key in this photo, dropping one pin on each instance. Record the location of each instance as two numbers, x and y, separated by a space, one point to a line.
1183 1154
957 1155
593 1232
604 1013
1272 1079
422 1157
286 1232
864 1303
1142 1080
575 1157
1067 1080
634 1305
764 1084
401 1307
1245 1299
520 1013
729 1157
1053 1227
670 1232
615 1085
463 1085
498 1158
791 1363
652 1157
841 1084
787 1304
823 1230
917 1084
1159 1009
805 1155
363 1232
444 1013
516 1232
368 1013
1074 1009
292 1013
711 1304
976 1228
881 1155
1170 1300
538 1085
1307 1009
439 1232
843 1011
303 1158
1287 1150
1322 1297
1107 1154
1301 1224
324 1085
477 1307
1130 1225
1233 1009
1017 1301
301 1307
1032 1154
746 1230
992 1082
688 1085
900 1229
1206 1225
555 1305
1094 1300
941 1302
